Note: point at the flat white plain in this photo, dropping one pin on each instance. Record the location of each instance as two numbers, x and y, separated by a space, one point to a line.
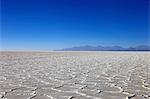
75 75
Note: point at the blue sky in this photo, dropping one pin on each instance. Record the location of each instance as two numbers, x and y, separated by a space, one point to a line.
54 24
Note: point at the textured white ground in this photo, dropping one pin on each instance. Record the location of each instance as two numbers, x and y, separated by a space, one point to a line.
75 75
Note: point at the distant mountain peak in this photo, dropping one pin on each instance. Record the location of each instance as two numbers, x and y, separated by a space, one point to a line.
107 48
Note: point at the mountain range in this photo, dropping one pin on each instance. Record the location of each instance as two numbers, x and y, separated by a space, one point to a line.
107 48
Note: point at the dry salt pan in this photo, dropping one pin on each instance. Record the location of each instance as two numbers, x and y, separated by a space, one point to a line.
75 75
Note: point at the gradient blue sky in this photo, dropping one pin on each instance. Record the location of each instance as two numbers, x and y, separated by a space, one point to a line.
54 24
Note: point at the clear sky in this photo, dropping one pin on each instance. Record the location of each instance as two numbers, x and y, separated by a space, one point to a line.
54 24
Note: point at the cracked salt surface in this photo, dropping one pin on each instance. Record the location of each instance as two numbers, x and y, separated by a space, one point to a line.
74 75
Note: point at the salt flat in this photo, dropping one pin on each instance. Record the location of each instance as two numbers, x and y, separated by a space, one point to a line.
74 75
